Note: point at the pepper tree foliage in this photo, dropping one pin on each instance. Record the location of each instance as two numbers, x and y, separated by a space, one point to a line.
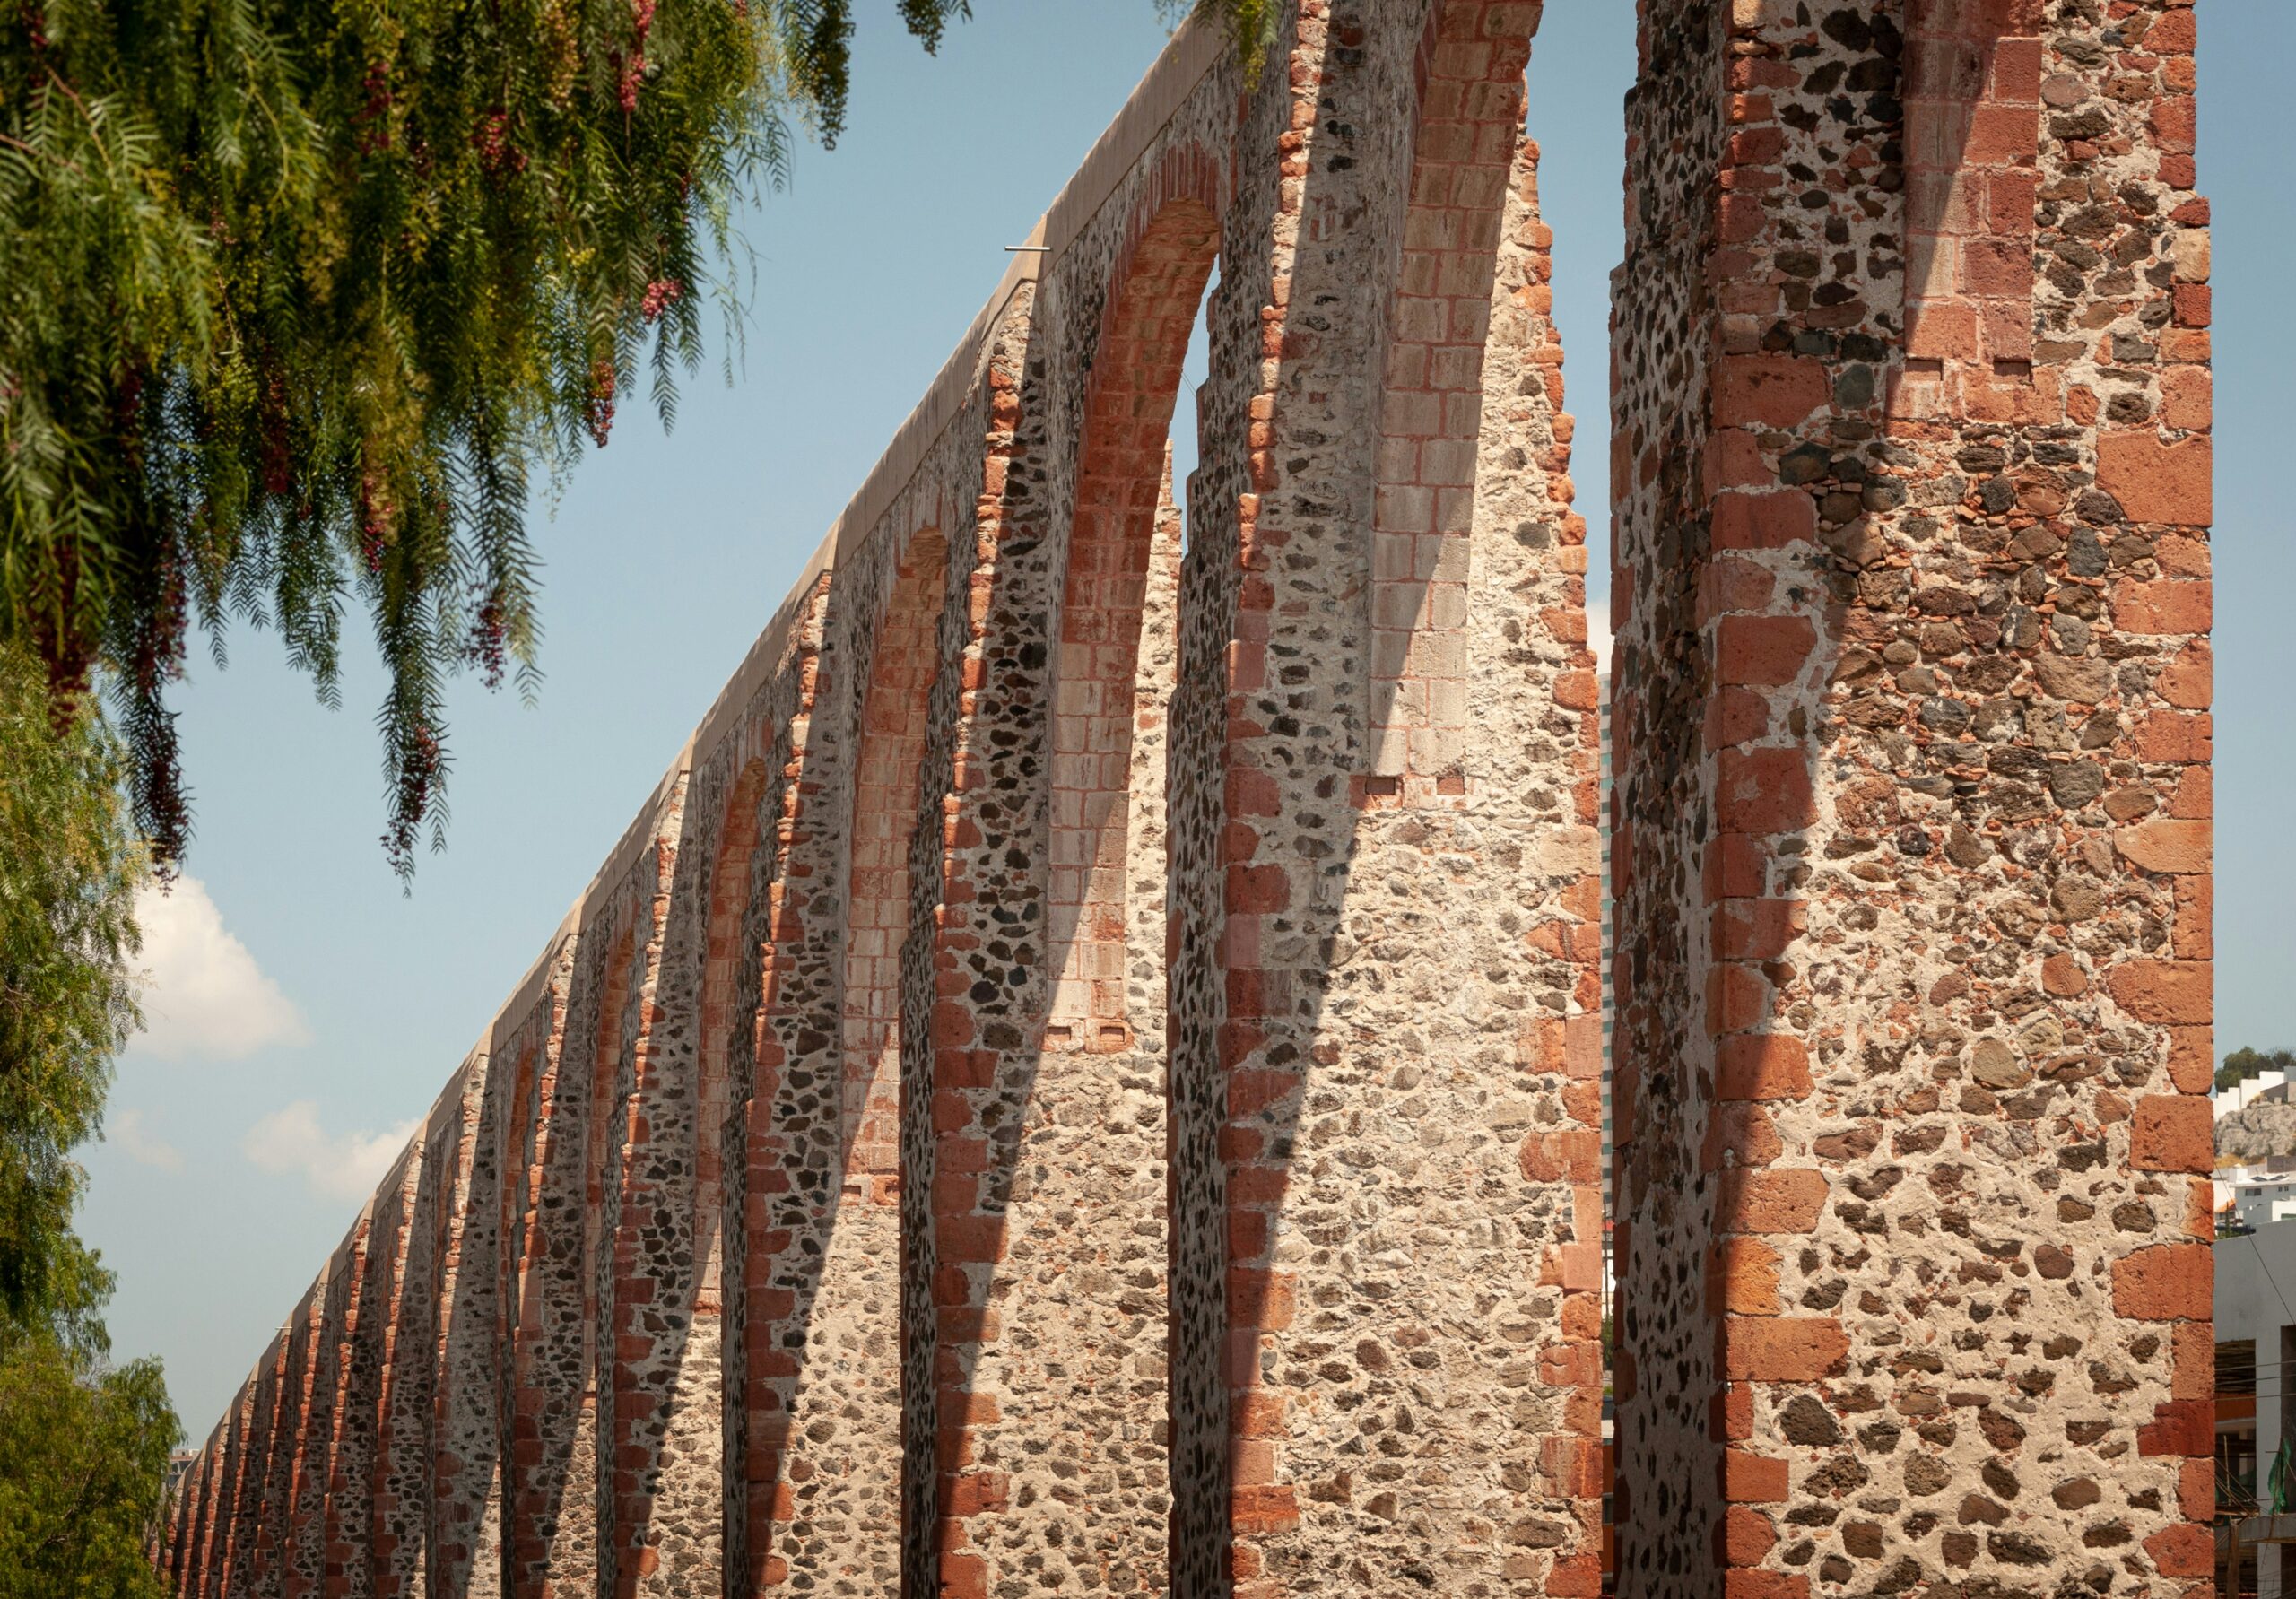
83 1461
69 864
299 291
296 295
83 1443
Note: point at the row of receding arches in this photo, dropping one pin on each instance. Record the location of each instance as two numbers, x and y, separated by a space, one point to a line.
796 1503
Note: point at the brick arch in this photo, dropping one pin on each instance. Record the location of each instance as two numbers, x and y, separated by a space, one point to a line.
681 1515
1122 479
870 1222
720 982
902 665
549 1491
1468 76
1470 71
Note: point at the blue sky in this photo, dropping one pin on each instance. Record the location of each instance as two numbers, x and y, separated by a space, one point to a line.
306 1012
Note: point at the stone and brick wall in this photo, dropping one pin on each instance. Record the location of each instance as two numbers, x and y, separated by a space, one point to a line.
1913 817
1084 1076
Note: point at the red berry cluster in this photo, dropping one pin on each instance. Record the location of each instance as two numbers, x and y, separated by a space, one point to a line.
598 413
495 152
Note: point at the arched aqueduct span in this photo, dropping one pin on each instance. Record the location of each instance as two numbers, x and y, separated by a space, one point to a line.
1087 1076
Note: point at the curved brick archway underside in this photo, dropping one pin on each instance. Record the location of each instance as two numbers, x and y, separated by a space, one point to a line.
1088 1075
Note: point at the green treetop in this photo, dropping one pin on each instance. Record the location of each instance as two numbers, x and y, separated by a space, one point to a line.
2245 1063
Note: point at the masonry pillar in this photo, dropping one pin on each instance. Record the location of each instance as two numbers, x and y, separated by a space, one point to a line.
1396 783
812 1460
631 1341
291 1395
223 1526
337 1309
1911 469
400 1508
354 1472
549 1489
968 977
464 1431
196 1557
661 1418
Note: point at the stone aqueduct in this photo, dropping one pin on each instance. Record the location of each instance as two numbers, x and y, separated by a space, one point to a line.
1087 1076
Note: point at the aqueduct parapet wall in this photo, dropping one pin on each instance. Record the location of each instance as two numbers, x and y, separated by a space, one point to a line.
1087 1076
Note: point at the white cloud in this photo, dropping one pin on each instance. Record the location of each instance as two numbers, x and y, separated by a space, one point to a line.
125 1129
291 1142
202 993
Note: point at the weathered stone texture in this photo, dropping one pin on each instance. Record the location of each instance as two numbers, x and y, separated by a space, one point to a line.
1911 445
1084 1076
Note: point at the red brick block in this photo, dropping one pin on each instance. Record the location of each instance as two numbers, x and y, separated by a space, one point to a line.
1747 1535
1739 1132
1258 890
2185 1427
1258 1414
2000 268
2196 1491
1753 1479
1771 1201
1757 929
969 1239
2165 1282
1737 997
1571 1365
2166 607
2173 848
1573 1466
2194 935
978 1492
1251 792
1249 1092
1761 1067
2002 135
2183 737
2182 1550
1265 1509
964 1577
2171 34
1757 146
1575 1577
1742 1279
1764 1584
1764 791
1762 651
1941 330
2192 1058
2187 399
2188 681
2175 123
2164 991
1778 1349
1735 868
2154 481
1735 717
1776 391
2172 1133
2062 976
1582 1047
1771 521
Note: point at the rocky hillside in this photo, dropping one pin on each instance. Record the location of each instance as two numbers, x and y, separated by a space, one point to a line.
2261 1130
